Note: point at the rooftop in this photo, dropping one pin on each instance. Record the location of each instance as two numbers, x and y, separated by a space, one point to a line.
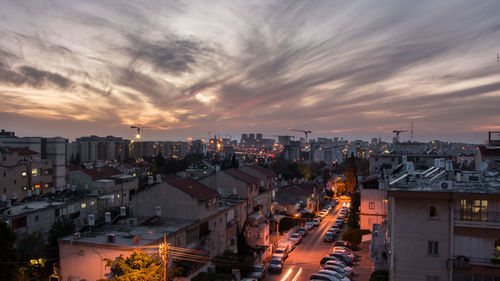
241 176
101 173
22 151
150 232
442 177
194 188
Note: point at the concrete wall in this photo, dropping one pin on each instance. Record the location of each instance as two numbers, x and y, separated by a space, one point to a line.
372 198
174 203
411 229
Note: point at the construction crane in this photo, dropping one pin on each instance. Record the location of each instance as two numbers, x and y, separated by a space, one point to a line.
397 132
306 132
140 130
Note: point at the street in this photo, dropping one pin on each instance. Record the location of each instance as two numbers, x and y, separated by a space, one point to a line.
304 260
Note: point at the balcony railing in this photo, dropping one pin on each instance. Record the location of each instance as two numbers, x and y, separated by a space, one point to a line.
477 216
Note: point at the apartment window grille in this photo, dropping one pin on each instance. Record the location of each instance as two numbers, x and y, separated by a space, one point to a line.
474 210
371 205
433 248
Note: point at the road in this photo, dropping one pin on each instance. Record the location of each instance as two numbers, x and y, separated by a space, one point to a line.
304 260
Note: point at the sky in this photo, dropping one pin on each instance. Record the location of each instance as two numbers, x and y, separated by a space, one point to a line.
352 69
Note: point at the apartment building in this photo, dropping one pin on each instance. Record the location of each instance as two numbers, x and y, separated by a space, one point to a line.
53 149
101 149
443 224
23 174
373 208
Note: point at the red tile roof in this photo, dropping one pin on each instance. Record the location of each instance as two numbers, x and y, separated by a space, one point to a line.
241 176
264 171
194 188
102 173
22 151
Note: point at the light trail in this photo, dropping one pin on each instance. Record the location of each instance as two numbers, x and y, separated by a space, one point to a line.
297 275
286 275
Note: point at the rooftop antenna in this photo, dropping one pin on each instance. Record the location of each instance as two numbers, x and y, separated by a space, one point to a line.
411 131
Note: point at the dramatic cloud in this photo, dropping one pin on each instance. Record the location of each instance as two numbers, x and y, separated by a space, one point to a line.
353 69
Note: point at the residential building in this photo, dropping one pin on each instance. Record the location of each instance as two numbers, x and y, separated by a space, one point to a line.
101 149
234 183
448 220
53 149
23 173
373 208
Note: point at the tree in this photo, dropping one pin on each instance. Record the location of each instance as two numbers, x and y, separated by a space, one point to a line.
353 218
350 174
8 253
139 266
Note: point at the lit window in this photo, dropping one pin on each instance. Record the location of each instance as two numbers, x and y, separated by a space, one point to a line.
92 203
117 195
84 205
34 172
46 185
37 186
433 212
24 174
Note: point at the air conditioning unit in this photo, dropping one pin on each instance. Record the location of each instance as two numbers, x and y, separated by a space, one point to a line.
123 211
77 236
107 217
445 184
91 220
111 238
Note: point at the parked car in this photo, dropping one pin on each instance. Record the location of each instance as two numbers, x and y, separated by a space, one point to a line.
334 228
348 254
249 279
318 217
346 244
331 258
344 271
336 200
328 237
258 271
302 231
308 225
323 213
342 257
315 222
318 276
335 274
296 238
345 249
337 263
276 265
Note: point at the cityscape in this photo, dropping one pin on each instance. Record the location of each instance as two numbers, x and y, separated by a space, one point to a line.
250 140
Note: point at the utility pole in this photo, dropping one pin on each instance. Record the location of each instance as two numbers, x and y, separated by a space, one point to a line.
163 252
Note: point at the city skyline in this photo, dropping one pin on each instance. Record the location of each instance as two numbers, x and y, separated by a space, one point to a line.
353 70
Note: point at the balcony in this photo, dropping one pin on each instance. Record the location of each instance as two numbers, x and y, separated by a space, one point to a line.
477 219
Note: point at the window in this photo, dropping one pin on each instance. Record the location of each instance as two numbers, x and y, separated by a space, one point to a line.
497 244
92 203
84 205
433 248
46 185
36 217
18 223
433 212
371 205
24 174
35 172
4 174
474 210
432 278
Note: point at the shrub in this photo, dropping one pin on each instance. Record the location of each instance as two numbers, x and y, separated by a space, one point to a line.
380 275
354 235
